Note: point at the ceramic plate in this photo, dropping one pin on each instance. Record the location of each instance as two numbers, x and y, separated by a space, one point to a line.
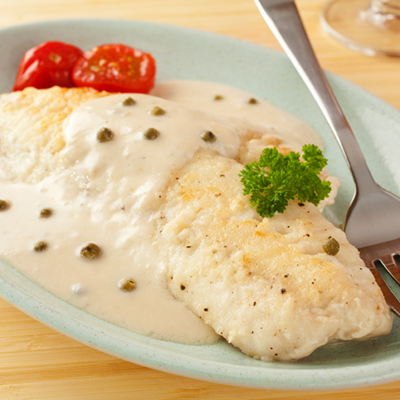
189 54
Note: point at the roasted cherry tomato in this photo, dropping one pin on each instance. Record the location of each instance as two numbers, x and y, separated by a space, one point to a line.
115 68
46 65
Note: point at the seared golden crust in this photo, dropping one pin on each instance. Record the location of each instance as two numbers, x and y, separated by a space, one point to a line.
31 129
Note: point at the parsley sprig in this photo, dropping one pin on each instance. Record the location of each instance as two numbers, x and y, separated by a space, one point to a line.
275 179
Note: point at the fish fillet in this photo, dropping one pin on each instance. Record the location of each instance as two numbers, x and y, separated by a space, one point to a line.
31 129
265 285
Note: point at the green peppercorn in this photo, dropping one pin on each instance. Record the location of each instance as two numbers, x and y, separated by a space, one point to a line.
46 213
157 111
105 135
127 284
40 246
252 100
128 102
91 251
208 136
331 246
151 134
4 205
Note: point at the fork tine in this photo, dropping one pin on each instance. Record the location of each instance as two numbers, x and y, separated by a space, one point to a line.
393 267
390 298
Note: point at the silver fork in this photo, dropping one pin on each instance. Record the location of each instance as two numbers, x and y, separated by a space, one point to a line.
372 223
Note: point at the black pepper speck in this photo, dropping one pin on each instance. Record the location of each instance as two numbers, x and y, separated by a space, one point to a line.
46 213
4 205
40 246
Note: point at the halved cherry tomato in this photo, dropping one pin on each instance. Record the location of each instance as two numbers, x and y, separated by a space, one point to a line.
46 65
115 68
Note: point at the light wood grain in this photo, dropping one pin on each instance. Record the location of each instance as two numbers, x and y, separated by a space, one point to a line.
39 363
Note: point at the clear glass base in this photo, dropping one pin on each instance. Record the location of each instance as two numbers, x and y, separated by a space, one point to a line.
367 26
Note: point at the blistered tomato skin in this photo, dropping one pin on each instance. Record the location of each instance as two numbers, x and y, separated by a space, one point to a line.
46 65
115 68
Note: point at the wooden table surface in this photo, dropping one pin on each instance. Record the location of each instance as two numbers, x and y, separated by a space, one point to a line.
39 363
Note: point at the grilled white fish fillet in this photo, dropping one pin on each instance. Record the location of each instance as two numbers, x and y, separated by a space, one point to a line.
266 285
31 129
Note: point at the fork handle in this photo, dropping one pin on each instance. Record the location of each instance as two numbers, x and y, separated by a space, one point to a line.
283 19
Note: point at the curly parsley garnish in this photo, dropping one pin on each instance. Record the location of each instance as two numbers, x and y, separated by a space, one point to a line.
275 179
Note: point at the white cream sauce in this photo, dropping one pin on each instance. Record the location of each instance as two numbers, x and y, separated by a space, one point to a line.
108 194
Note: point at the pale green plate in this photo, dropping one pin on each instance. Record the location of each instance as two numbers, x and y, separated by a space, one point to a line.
188 54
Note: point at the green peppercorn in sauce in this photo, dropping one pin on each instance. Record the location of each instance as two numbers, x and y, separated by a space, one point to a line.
107 191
